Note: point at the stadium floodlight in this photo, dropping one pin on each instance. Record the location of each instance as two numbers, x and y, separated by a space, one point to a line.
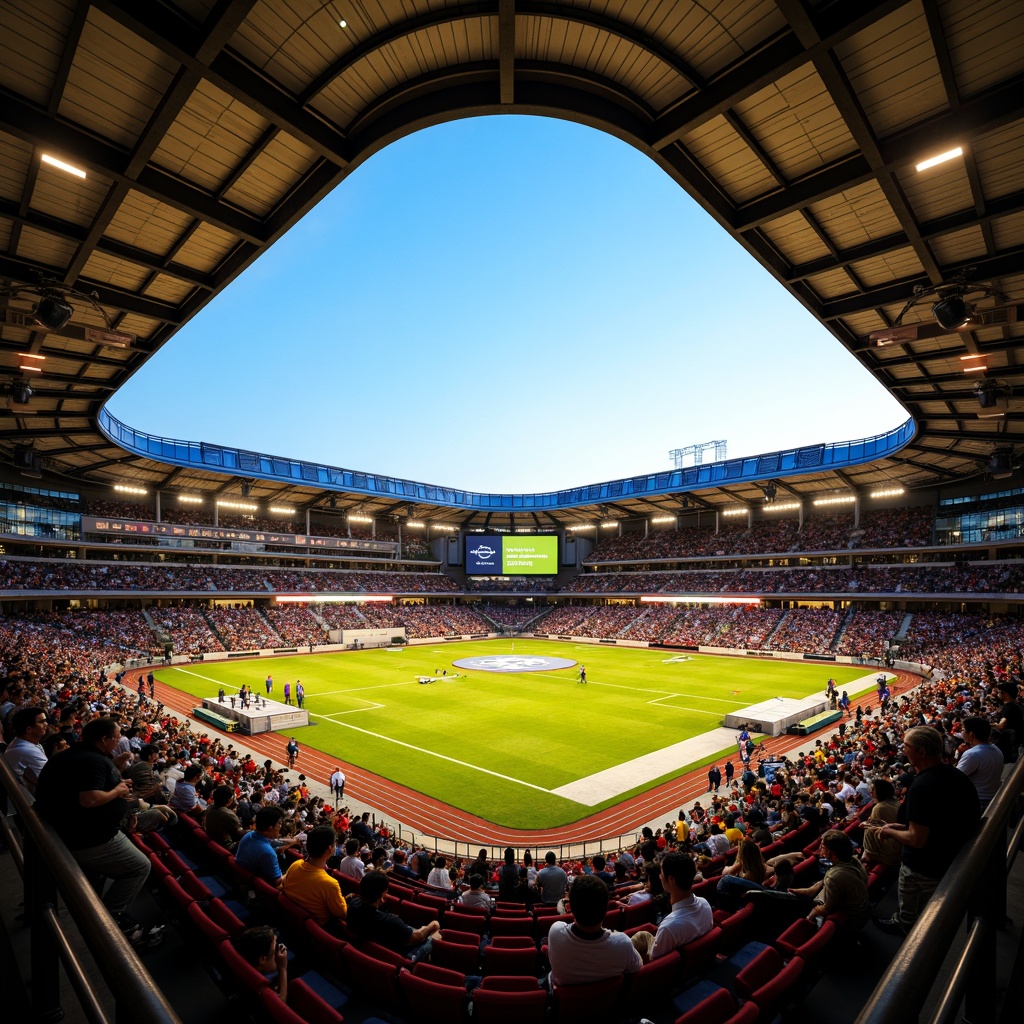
20 393
769 490
355 518
735 511
1001 465
786 506
837 499
190 499
888 492
952 312
281 510
240 506
129 489
662 519
993 397
52 311
415 524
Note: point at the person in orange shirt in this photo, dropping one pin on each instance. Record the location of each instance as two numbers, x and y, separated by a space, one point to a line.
308 884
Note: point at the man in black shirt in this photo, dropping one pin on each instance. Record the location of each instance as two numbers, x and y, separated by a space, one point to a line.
1009 720
372 924
940 813
82 795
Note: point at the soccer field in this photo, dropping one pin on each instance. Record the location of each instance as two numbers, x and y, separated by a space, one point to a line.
500 745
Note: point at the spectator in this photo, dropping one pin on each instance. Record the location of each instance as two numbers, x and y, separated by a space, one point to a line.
585 950
308 884
690 917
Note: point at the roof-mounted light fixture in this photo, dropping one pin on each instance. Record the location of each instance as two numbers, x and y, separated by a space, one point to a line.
53 302
954 307
993 397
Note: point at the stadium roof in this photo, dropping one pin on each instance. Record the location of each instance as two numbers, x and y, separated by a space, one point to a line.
206 130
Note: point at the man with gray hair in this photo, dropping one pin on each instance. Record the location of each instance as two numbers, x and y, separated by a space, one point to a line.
940 813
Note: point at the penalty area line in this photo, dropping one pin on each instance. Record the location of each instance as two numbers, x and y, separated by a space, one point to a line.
433 753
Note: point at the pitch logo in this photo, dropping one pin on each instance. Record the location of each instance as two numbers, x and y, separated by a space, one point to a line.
484 552
513 663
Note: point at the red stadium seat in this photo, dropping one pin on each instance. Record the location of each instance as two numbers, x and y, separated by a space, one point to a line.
434 1003
585 1004
495 1001
372 979
456 956
511 926
720 1008
466 922
503 961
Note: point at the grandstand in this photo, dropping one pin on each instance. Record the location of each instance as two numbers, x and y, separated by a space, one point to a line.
797 126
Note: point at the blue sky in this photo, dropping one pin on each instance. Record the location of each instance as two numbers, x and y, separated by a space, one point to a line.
505 304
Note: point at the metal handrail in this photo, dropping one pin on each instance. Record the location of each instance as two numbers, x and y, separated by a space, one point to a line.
975 883
49 870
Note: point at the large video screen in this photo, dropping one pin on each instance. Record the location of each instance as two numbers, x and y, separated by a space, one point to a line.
511 555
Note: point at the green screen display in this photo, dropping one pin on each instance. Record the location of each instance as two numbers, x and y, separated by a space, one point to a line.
530 556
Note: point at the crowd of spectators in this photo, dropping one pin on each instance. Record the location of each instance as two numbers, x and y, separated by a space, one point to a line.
511 617
188 629
243 629
813 630
64 575
882 528
511 584
296 625
867 631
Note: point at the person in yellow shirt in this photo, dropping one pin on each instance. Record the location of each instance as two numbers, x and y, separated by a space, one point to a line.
308 884
682 828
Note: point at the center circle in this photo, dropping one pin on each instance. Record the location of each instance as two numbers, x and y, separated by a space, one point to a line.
514 663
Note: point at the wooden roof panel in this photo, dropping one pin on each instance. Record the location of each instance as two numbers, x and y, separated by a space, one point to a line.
937 191
797 123
876 271
984 41
791 237
1008 231
958 246
856 215
168 289
147 223
119 273
70 199
206 248
31 45
998 158
711 37
720 149
15 159
602 53
115 82
39 246
831 284
209 138
273 174
893 68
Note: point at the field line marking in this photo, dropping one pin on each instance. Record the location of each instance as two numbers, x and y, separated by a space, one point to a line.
209 679
676 707
355 711
360 689
434 753
672 693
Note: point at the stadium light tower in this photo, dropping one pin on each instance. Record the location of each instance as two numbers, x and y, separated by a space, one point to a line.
680 455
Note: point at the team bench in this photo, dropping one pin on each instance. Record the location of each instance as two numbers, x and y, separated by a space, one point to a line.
815 722
212 718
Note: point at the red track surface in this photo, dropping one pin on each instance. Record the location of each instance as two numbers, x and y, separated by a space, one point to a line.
431 817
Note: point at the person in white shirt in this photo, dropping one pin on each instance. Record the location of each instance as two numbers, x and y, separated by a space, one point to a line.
585 950
690 917
25 755
981 760
338 785
352 865
439 877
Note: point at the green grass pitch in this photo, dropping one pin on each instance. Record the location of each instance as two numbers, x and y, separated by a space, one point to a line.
496 744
